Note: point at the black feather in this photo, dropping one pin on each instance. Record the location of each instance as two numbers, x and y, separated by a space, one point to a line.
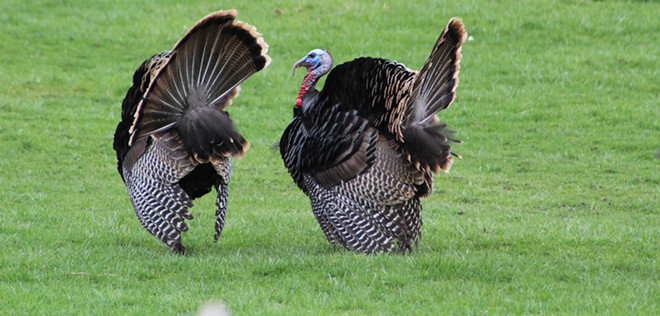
364 148
175 141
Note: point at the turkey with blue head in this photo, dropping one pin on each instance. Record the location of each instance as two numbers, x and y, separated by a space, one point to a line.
364 149
175 141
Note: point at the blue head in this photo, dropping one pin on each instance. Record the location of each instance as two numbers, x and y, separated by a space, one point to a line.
316 61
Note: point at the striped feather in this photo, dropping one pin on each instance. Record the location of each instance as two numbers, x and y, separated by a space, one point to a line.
364 149
175 141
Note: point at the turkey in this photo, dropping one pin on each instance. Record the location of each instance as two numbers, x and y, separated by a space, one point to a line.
175 141
365 148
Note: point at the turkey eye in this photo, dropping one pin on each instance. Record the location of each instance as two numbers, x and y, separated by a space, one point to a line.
312 55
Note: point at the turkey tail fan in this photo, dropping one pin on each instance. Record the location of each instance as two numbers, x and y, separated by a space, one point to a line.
200 78
434 89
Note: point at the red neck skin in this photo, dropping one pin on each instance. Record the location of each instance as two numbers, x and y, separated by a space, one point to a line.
308 83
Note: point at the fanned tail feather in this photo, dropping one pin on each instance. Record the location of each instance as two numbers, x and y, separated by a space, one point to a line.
434 87
426 140
200 78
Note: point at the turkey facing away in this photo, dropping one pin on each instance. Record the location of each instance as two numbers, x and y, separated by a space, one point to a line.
175 141
365 148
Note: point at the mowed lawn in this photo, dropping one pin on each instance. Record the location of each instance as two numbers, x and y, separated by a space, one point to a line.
554 208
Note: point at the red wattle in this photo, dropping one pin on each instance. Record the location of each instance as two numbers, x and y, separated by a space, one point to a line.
308 83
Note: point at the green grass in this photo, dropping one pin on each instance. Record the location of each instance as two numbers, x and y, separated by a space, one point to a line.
555 208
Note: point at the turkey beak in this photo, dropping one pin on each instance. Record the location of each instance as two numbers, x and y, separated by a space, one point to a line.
300 63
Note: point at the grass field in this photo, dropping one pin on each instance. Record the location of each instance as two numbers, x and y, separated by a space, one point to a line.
554 208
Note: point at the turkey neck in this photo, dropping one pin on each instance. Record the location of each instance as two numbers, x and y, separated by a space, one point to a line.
309 82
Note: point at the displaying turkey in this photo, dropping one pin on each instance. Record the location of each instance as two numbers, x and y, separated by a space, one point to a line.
175 141
365 148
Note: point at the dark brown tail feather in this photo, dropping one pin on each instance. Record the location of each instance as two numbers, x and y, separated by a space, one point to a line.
425 139
434 87
208 133
199 80
429 146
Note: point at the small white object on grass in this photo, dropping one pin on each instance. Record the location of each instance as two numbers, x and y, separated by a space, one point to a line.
213 308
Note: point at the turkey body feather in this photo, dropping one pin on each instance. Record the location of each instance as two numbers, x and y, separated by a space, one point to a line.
364 148
175 141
